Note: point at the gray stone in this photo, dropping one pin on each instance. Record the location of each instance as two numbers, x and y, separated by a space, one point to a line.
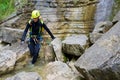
57 47
117 17
103 27
75 45
25 76
11 19
99 30
11 35
60 71
71 65
7 60
95 36
103 10
49 53
10 57
101 61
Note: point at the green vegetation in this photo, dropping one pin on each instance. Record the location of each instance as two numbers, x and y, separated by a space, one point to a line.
116 8
6 8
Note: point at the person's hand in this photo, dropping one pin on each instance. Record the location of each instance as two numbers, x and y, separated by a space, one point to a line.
22 42
53 38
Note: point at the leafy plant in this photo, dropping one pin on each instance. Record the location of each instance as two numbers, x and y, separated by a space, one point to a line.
6 8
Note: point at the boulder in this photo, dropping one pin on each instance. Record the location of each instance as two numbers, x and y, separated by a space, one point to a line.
11 35
57 47
71 65
75 45
103 27
60 71
25 76
7 60
11 56
95 36
101 61
49 53
99 30
10 20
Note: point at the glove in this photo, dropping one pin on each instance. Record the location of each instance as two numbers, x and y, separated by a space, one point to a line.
53 38
22 42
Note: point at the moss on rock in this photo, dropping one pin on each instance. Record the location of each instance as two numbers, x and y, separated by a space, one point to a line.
116 8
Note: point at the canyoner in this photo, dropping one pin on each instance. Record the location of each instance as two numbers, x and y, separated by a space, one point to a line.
36 27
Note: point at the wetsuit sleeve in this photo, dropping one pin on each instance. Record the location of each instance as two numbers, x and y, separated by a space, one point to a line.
25 32
46 28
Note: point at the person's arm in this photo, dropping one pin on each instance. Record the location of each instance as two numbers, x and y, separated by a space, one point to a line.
25 32
46 28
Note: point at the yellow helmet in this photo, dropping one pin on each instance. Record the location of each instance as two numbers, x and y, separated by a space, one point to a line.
35 14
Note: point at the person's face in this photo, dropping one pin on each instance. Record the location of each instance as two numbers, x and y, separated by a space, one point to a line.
35 19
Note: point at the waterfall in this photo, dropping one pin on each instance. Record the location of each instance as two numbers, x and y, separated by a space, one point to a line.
103 11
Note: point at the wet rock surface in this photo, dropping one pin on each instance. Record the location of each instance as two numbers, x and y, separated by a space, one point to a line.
25 76
11 56
57 47
67 17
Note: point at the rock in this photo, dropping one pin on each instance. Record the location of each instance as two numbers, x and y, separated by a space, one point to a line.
95 36
10 20
0 34
73 12
99 30
103 27
11 56
11 35
65 29
25 76
76 15
49 53
75 45
101 61
57 47
7 60
71 65
103 10
117 17
60 71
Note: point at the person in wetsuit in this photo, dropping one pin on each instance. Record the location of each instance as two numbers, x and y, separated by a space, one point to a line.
35 25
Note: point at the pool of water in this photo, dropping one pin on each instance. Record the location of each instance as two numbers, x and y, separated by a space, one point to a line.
39 68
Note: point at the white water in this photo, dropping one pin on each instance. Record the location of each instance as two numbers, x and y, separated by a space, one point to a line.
104 8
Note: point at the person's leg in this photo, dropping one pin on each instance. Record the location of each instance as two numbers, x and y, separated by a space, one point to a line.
36 53
31 49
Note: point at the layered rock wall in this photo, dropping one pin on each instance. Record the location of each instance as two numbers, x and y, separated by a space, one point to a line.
67 17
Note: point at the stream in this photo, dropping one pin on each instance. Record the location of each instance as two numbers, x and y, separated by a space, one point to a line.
39 67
